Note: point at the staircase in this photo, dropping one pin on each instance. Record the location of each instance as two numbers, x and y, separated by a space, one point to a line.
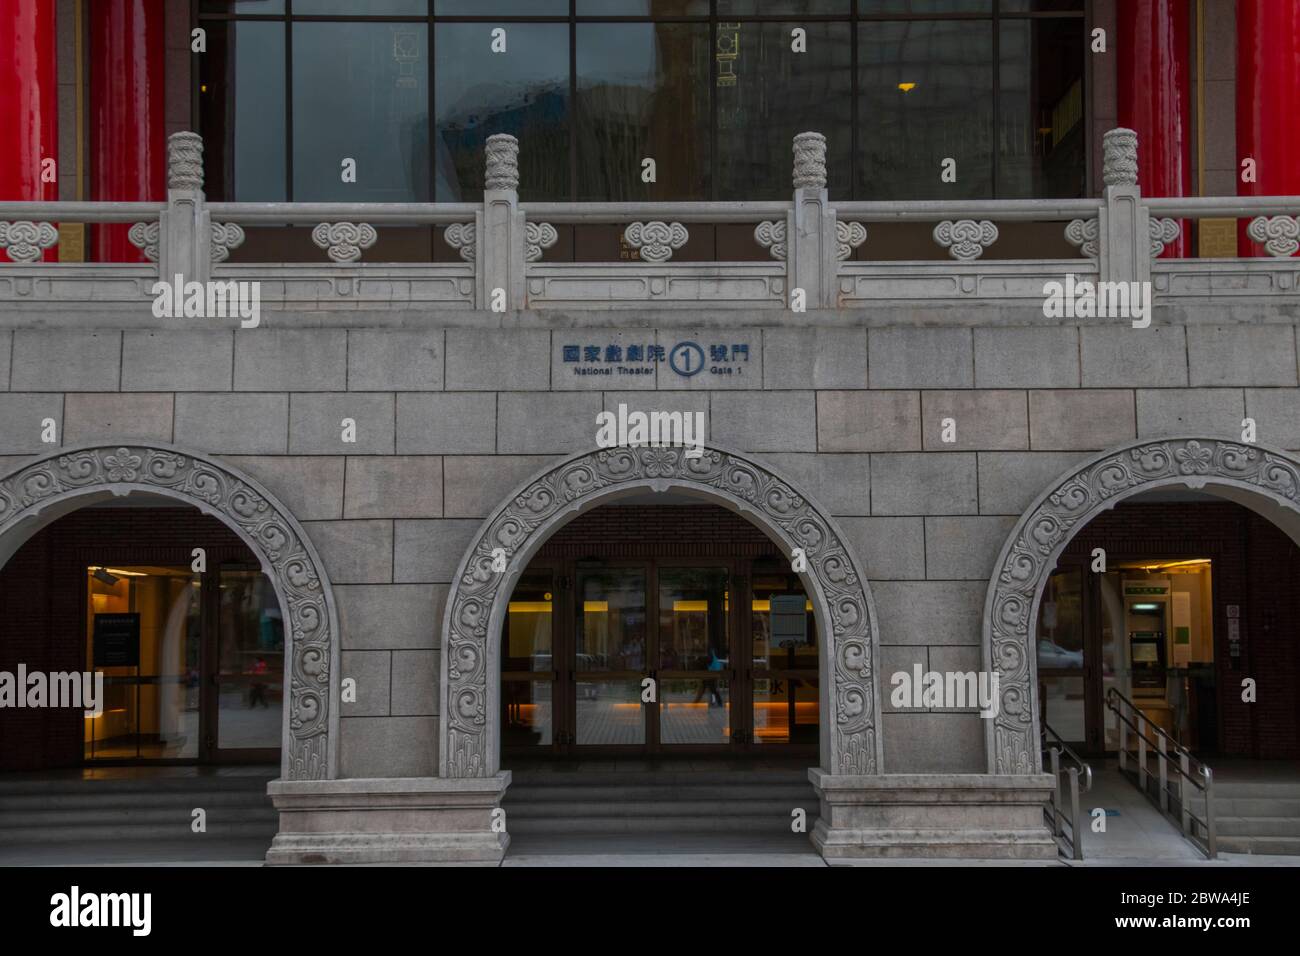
671 801
103 817
1258 816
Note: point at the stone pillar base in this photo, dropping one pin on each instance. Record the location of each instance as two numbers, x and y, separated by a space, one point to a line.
933 816
388 820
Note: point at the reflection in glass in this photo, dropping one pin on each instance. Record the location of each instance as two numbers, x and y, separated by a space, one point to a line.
612 620
241 6
925 95
1040 109
1060 622
151 700
241 111
694 711
493 8
1063 706
767 93
525 94
360 91
371 8
527 715
250 662
693 606
643 92
528 624
609 713
643 8
781 652
785 709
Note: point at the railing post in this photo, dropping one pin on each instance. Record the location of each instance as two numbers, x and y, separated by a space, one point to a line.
1076 830
1125 252
1122 726
1211 839
1163 759
811 260
499 230
185 231
1142 751
1185 765
1055 760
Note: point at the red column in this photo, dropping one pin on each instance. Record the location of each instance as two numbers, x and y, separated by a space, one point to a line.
1268 101
29 104
1153 78
127 131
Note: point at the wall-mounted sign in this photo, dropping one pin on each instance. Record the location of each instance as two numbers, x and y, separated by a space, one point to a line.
117 640
789 619
684 359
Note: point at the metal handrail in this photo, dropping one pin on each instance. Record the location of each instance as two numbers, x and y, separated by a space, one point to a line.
1054 747
1192 773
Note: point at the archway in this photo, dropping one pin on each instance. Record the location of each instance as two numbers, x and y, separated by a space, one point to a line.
470 732
1265 480
52 485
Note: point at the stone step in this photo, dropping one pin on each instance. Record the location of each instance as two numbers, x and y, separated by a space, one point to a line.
593 809
88 801
111 816
1258 826
797 795
1278 790
667 778
98 833
1260 845
1256 807
26 785
775 824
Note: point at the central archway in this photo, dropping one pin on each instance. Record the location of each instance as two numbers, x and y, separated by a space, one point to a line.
50 486
1265 480
472 623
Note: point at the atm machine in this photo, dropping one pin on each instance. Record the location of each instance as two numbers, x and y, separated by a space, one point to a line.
1147 622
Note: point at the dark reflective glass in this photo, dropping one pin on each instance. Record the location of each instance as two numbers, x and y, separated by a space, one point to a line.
1033 6
1040 109
643 93
524 92
767 93
771 8
925 95
361 8
495 8
241 6
360 91
643 8
933 7
241 111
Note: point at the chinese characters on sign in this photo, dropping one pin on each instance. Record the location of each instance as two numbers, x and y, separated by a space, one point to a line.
685 359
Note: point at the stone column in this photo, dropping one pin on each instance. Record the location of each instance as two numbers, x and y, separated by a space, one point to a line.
29 105
811 264
1125 253
499 228
185 235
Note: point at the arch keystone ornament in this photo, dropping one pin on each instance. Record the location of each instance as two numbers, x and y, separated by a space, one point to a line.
476 607
57 483
1253 475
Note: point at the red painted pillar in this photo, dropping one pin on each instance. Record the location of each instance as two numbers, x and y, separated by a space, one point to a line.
127 132
1154 100
29 104
1268 101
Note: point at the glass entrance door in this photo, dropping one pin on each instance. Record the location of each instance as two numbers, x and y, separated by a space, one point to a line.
610 657
694 671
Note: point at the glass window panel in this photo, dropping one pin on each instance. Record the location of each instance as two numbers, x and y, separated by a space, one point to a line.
527 714
241 6
868 7
1063 707
241 111
609 713
528 624
785 710
777 654
773 8
694 711
360 91
250 662
611 621
371 8
492 8
643 92
926 94
523 92
1032 6
643 8
767 93
1040 109
693 608
1060 622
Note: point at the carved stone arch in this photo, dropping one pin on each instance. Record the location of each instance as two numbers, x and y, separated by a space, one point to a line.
1260 478
51 485
475 612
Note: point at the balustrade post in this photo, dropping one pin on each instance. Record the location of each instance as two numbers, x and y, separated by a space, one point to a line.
1163 757
812 262
185 230
1125 248
500 230
1142 751
1184 782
